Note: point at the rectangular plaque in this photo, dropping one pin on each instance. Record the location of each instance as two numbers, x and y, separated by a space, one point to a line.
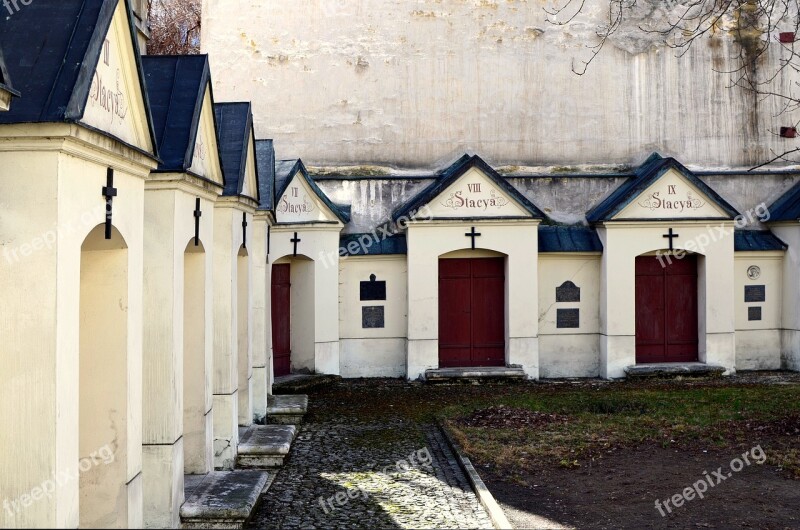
373 291
568 318
568 292
372 317
754 313
755 293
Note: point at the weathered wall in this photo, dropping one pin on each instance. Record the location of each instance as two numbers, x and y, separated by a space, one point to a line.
414 83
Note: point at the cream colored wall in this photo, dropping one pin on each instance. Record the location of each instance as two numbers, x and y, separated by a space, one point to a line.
373 352
44 223
262 323
758 343
228 238
569 352
427 241
789 233
622 242
320 243
243 322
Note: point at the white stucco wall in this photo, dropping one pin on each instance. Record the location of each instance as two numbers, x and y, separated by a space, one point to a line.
377 352
569 352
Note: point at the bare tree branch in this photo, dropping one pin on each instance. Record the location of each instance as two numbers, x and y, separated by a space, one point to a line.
174 27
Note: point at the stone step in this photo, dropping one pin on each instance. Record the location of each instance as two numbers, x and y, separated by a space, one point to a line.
265 446
287 409
224 499
674 370
475 375
296 383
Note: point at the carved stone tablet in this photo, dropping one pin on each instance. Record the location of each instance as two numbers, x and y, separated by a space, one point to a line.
372 317
568 318
568 292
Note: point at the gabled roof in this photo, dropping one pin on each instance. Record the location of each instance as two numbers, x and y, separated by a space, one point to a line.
265 166
5 79
176 86
52 48
451 174
234 130
648 173
559 238
787 207
756 240
286 170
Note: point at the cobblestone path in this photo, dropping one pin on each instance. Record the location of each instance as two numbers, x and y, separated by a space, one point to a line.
370 475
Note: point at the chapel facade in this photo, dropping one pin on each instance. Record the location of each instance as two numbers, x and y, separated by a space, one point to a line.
163 263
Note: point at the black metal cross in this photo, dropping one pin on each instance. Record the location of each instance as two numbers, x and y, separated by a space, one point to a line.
295 240
671 236
244 229
473 234
109 192
197 215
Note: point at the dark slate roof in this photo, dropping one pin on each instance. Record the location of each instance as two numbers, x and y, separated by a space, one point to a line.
176 86
787 207
453 173
265 165
649 172
234 127
285 170
756 240
367 245
51 49
558 238
5 79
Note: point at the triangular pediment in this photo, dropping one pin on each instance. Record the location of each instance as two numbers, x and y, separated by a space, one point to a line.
250 184
116 103
672 196
299 203
662 188
205 154
470 189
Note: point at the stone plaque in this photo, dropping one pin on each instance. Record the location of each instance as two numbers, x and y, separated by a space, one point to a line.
373 290
372 317
755 293
568 318
754 313
568 292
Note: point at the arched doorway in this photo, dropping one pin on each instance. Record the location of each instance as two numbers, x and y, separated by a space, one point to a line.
292 313
197 365
103 380
472 309
666 308
243 336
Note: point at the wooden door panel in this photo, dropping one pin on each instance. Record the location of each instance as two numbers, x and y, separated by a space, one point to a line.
281 321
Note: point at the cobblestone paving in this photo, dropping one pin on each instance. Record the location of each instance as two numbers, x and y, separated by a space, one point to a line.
387 475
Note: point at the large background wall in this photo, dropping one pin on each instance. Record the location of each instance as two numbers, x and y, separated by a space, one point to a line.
413 83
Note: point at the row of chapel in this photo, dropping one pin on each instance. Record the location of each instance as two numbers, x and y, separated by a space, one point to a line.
160 267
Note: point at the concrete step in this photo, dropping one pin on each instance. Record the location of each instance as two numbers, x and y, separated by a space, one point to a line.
296 383
224 499
287 409
265 446
673 370
475 375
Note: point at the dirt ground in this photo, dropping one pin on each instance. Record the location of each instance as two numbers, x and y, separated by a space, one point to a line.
622 490
592 454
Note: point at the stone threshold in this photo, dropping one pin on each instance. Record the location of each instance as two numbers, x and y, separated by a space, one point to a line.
223 499
475 374
695 369
286 409
264 446
294 383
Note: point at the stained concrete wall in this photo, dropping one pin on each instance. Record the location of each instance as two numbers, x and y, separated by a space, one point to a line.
414 83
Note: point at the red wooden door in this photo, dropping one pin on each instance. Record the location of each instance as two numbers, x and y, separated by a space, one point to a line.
666 310
471 312
281 322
